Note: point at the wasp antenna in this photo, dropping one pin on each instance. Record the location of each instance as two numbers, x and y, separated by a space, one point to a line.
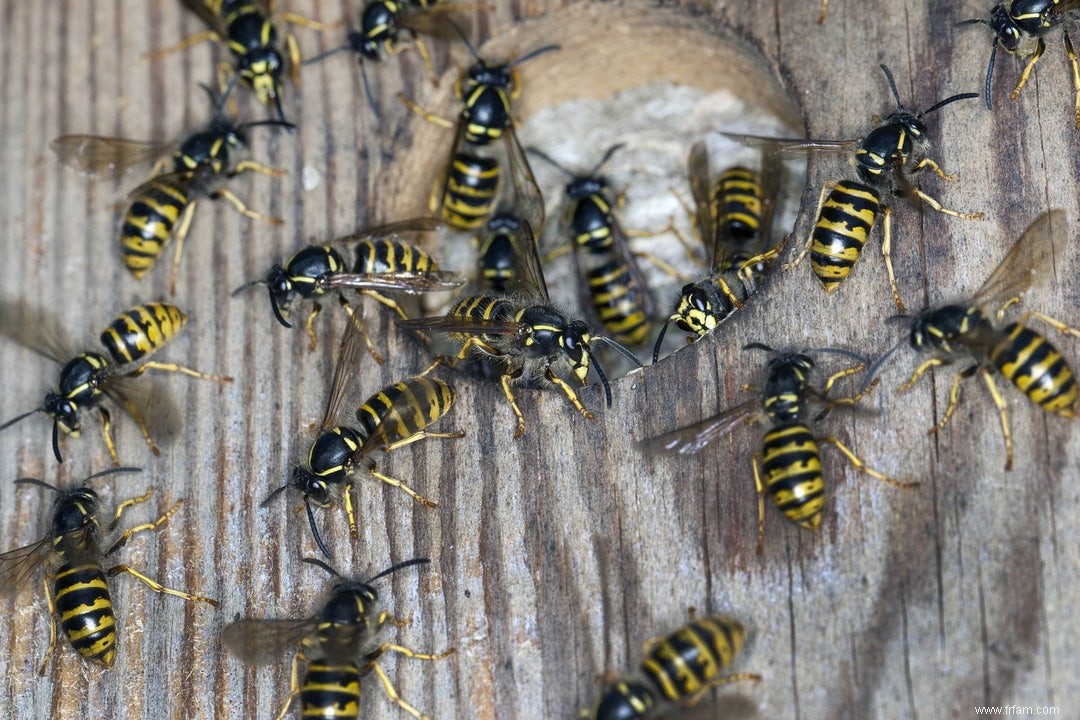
840 351
39 483
112 471
25 415
370 95
875 366
620 348
56 440
607 156
319 563
946 101
548 159
280 111
315 529
538 51
277 309
990 74
892 85
246 286
399 566
325 54
273 495
464 38
603 376
276 123
757 346
660 341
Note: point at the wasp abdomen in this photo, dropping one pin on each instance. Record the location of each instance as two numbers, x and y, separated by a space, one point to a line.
842 228
1037 369
142 330
791 462
84 607
330 690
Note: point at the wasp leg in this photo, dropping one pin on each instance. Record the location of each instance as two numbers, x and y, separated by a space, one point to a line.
350 514
571 394
840 375
426 502
134 413
386 302
1003 414
715 683
1051 321
690 252
504 382
1027 70
557 252
174 368
935 168
919 372
187 42
1076 76
430 117
886 251
309 326
252 166
438 361
358 323
52 625
824 12
158 587
954 399
294 684
306 22
225 73
455 435
859 465
178 239
662 266
388 686
756 462
294 58
747 274
825 190
125 505
123 539
110 442
244 210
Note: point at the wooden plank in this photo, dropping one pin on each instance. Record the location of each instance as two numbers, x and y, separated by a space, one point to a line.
554 557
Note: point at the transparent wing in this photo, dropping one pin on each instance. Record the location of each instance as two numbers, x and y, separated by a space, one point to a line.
409 282
145 402
35 328
795 147
93 153
1064 6
185 179
526 199
637 285
412 227
1027 262
349 354
527 278
401 420
208 11
693 438
263 641
771 175
16 566
432 20
456 324
701 189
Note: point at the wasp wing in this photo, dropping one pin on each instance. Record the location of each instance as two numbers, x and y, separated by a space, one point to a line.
17 565
36 329
209 11
391 231
794 147
704 210
433 20
525 198
140 399
1027 262
410 282
458 324
352 348
264 641
693 438
92 154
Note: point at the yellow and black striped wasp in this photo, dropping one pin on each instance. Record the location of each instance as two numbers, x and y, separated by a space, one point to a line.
485 90
161 209
88 377
385 258
847 209
76 587
518 330
339 645
734 216
396 416
679 668
1019 27
610 282
247 29
1023 356
790 457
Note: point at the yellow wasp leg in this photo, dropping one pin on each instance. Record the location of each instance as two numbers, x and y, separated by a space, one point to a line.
386 302
571 394
158 587
859 465
935 168
824 12
919 372
715 683
1003 414
840 375
756 462
944 210
187 42
954 400
1076 76
309 326
52 625
174 368
252 166
886 251
1027 70
825 190
455 434
294 684
350 514
245 211
110 442
123 539
426 502
1051 321
388 686
126 504
178 238
504 382
430 117
359 326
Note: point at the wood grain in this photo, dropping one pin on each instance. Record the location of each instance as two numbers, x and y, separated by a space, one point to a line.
554 557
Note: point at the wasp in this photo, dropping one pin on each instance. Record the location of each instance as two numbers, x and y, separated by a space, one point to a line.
1019 27
790 458
734 216
396 416
485 90
611 282
383 260
87 377
1022 355
680 668
847 209
339 645
245 27
77 588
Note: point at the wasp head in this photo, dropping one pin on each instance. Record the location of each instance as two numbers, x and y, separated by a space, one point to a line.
574 343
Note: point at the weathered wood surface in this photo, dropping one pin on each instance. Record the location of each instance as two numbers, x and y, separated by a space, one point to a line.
556 556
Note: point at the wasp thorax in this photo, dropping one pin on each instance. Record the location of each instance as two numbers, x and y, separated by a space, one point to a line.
575 344
73 511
